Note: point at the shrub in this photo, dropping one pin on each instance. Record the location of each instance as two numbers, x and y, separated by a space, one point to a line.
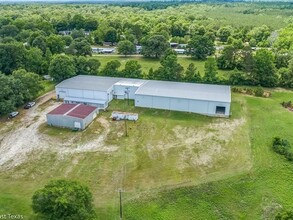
287 104
259 92
282 147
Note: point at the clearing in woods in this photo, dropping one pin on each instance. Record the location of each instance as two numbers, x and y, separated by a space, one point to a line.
164 149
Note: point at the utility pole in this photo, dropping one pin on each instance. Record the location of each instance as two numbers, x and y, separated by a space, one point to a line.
125 123
121 211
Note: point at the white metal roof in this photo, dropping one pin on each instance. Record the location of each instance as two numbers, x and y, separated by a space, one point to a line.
96 83
195 91
131 82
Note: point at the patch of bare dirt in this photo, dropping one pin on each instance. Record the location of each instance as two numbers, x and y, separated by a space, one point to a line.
198 146
18 144
95 145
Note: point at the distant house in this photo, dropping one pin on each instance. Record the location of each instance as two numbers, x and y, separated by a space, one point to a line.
107 50
219 47
182 45
73 116
64 32
173 45
180 51
108 44
103 50
138 49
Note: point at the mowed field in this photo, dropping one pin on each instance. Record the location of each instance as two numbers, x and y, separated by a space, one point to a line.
147 63
172 165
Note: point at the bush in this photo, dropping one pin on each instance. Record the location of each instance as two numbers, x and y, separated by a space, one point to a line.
282 147
259 92
63 199
249 91
287 104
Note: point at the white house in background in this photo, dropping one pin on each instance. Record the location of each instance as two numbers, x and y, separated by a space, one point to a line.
206 99
180 51
103 50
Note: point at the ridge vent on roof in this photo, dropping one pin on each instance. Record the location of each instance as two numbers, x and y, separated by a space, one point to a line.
66 113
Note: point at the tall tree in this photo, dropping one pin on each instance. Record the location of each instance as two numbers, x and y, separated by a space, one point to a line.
170 69
227 59
63 199
210 70
191 74
126 47
200 46
224 33
35 62
9 31
154 46
61 67
111 68
132 69
264 73
11 57
40 42
77 22
80 47
87 66
30 82
111 35
55 43
90 24
7 94
286 75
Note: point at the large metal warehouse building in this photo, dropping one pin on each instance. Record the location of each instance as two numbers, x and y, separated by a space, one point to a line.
74 116
213 100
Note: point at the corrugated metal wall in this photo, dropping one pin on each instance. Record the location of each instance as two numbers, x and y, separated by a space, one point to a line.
177 104
63 121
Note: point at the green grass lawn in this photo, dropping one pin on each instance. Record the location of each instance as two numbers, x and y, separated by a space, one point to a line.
173 165
48 86
147 63
258 194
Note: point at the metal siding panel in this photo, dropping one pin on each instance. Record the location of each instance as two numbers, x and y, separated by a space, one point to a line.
197 106
75 93
88 94
61 92
161 103
143 101
100 95
179 104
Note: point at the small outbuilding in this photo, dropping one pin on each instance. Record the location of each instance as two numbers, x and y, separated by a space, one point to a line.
73 116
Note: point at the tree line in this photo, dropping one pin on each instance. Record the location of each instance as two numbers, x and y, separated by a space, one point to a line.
33 44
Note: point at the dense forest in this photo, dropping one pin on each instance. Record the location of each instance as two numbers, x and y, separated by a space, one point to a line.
253 41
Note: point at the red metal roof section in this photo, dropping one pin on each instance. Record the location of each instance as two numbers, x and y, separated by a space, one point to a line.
73 110
62 109
82 111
